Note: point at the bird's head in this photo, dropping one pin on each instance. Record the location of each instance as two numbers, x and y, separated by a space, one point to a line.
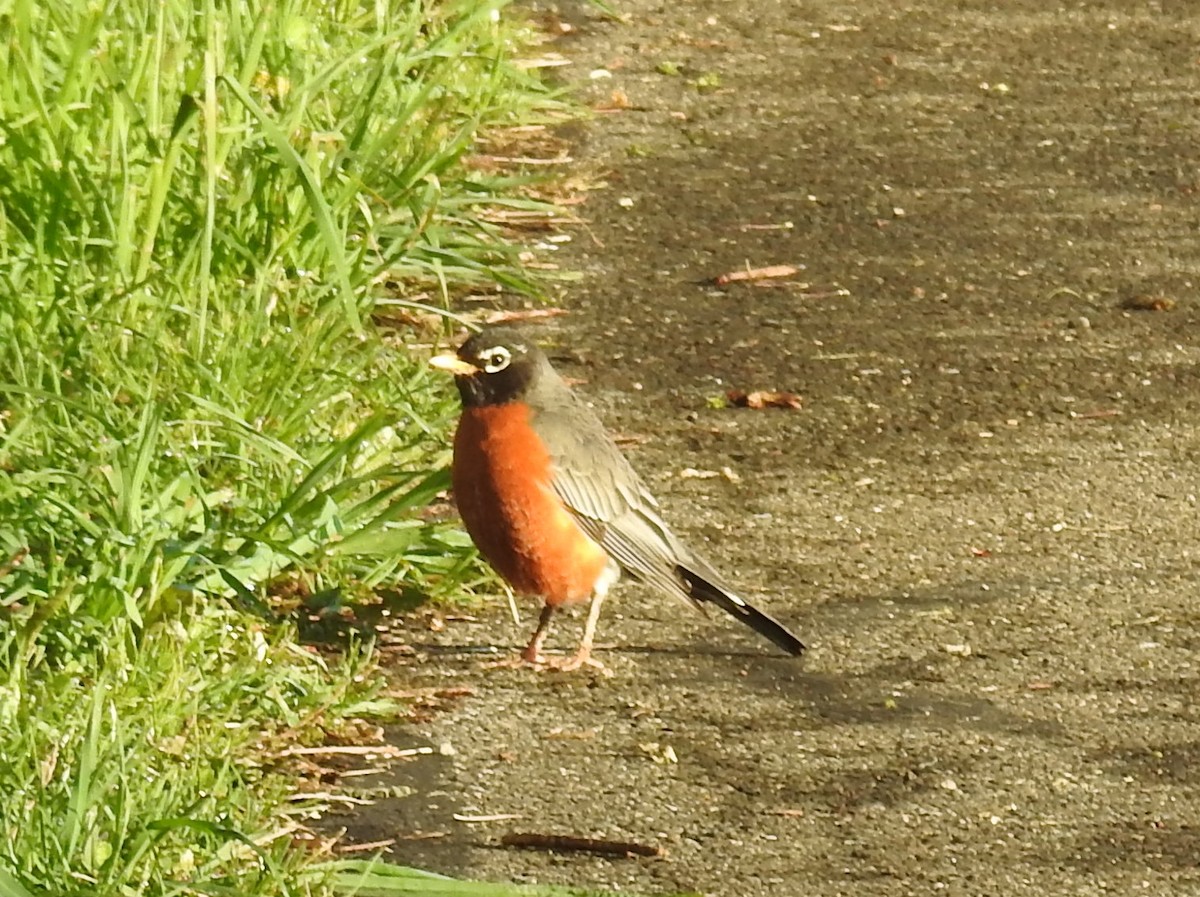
495 366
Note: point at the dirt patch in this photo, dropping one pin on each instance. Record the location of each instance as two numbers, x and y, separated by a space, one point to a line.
983 518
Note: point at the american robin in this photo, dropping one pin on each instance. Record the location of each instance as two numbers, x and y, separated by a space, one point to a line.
551 502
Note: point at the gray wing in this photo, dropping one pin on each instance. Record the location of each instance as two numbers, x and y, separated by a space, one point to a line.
609 501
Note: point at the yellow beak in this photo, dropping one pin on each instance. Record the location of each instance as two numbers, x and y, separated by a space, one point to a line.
454 365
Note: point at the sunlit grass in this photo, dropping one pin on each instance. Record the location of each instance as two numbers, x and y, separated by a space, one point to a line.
199 206
372 879
144 765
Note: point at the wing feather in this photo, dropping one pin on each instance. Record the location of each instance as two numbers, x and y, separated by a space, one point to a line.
608 499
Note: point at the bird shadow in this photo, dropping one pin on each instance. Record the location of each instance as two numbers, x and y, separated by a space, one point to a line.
677 651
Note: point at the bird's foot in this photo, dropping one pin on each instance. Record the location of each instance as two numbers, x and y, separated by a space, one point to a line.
580 659
530 656
539 662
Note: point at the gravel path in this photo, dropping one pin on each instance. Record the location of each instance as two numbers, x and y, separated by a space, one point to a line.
983 518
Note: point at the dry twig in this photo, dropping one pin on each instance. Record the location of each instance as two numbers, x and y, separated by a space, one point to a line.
540 841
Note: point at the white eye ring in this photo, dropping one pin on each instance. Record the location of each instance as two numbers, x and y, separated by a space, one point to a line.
495 359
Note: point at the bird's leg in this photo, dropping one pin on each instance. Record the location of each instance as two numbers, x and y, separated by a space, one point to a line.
583 657
533 651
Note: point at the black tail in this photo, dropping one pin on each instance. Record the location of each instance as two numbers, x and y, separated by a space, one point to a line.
702 589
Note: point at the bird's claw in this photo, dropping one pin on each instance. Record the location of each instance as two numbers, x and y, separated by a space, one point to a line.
539 662
577 661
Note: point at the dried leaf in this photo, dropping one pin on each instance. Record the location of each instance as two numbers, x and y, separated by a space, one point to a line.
363 848
1147 302
691 473
561 843
524 314
756 274
546 61
617 101
485 817
762 398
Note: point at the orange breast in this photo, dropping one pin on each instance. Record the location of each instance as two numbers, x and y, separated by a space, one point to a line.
504 494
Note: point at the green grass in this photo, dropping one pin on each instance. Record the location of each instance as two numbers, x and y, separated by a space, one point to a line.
373 879
199 207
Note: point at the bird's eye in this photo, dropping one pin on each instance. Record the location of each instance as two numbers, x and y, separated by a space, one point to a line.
495 360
